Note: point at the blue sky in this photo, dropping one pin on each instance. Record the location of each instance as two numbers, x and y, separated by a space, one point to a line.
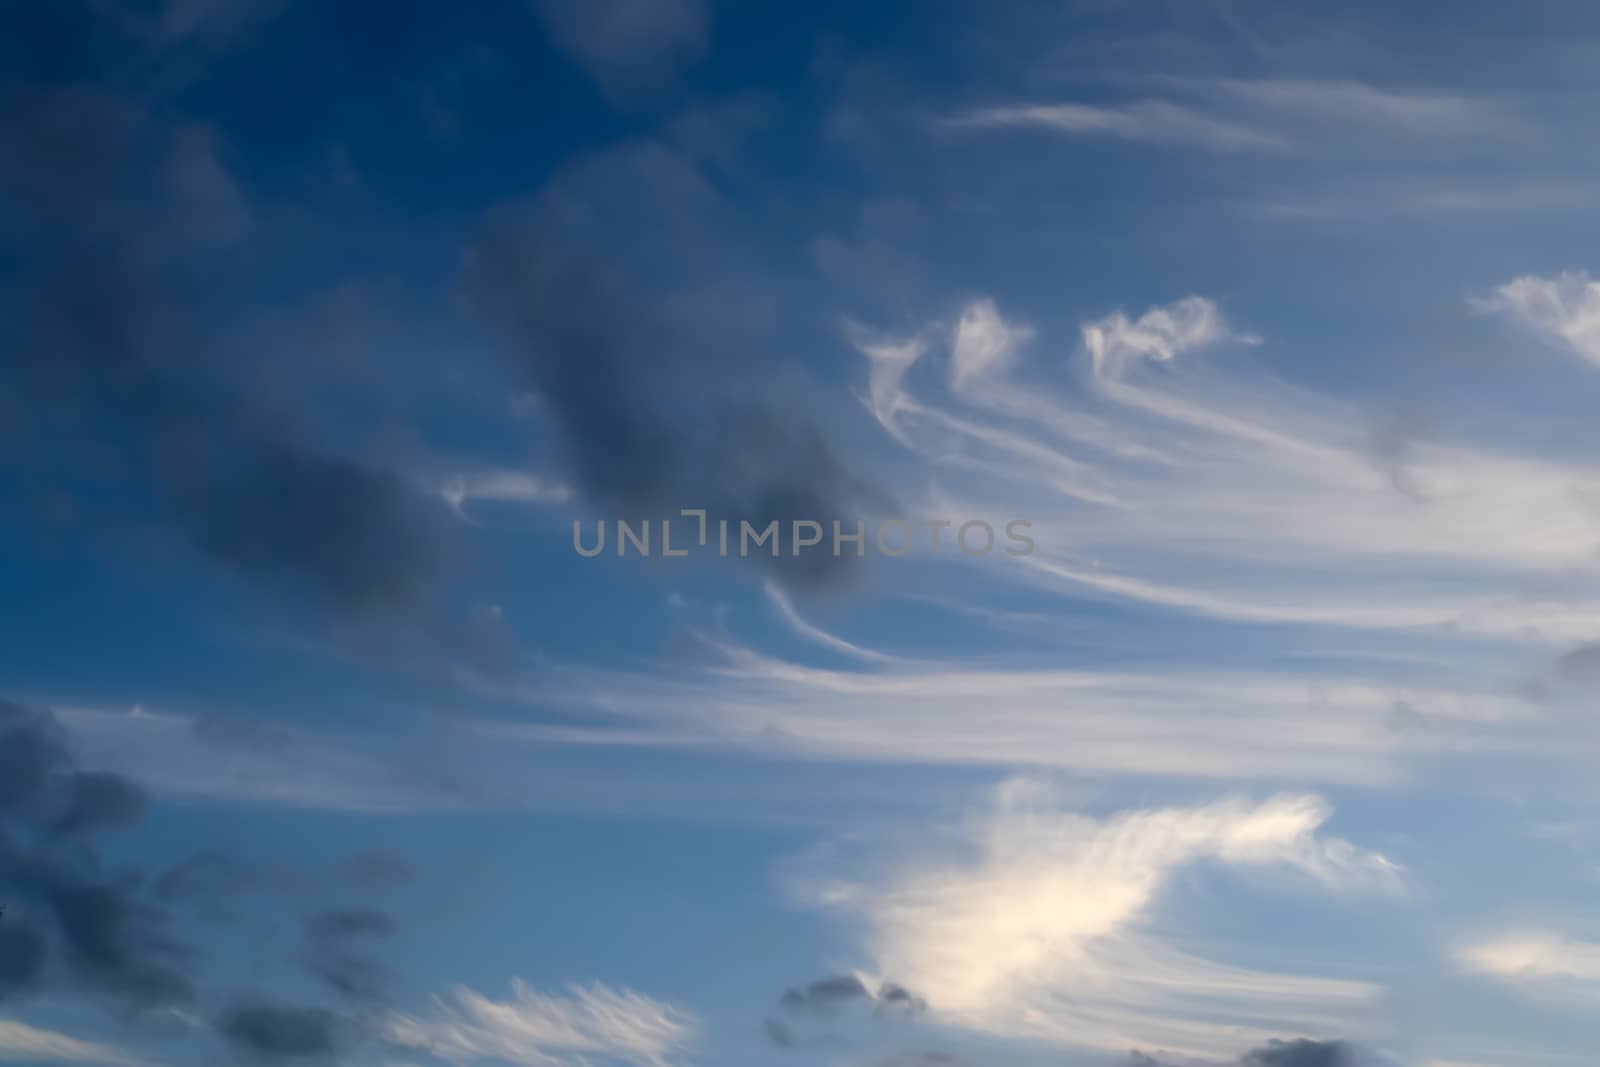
326 326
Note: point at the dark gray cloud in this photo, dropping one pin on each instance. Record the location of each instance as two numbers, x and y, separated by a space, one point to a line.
73 925
813 1007
1299 1053
122 349
897 1001
658 409
779 1033
105 936
335 950
272 1031
826 994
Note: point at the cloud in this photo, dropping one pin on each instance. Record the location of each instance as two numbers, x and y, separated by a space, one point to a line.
334 955
501 487
534 1029
1300 1052
659 410
826 994
815 634
1162 333
984 344
1036 922
20 1042
1563 310
1185 721
1271 116
889 360
274 1031
1194 483
629 47
72 925
1538 962
1157 122
824 997
779 1033
62 907
115 331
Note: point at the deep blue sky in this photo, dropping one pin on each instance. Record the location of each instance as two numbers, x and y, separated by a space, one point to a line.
323 324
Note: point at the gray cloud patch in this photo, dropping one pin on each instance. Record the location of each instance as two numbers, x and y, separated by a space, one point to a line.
335 957
270 1030
659 414
779 1033
897 1001
98 927
1300 1053
73 925
118 338
826 994
828 1000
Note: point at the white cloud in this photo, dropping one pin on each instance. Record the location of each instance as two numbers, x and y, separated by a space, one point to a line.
1183 722
534 1029
809 631
1204 487
1563 310
1536 960
889 359
1115 342
1157 122
1398 595
984 343
21 1043
501 486
1270 115
1038 922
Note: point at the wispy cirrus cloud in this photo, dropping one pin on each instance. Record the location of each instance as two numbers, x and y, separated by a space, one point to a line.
21 1043
1181 475
1276 116
1149 121
534 1029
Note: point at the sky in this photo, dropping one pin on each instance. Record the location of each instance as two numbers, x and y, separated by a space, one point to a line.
698 533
